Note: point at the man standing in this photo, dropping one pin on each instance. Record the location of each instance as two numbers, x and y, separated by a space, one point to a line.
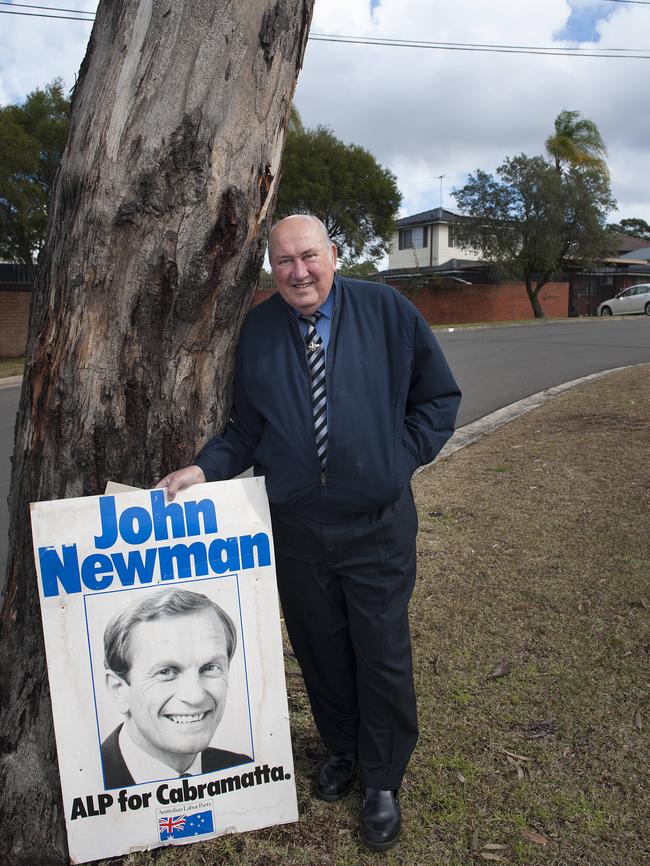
341 393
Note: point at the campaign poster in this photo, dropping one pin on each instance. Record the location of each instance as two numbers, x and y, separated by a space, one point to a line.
165 663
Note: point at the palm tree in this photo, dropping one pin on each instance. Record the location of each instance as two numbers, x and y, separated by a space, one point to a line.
577 142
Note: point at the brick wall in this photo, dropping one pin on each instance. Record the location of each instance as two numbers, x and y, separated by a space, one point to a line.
454 304
459 303
486 303
14 319
262 295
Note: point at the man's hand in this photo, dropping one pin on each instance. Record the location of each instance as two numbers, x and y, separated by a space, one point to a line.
182 478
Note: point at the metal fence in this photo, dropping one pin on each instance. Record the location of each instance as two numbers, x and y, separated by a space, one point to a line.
11 272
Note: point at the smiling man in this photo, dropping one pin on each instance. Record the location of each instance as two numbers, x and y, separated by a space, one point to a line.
167 661
341 392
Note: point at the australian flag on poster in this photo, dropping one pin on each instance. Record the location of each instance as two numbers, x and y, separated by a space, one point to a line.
183 826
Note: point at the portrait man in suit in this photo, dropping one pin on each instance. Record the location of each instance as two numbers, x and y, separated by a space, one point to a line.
167 661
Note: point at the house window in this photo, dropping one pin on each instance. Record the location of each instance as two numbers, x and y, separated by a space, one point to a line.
452 240
413 238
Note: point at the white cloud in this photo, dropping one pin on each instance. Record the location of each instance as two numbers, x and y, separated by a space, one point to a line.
425 113
35 50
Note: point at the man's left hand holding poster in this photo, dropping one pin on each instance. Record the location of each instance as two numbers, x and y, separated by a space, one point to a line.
164 655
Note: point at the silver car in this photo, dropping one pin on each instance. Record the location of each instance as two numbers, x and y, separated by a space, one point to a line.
636 299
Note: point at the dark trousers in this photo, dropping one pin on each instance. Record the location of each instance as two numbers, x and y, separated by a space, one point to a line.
345 589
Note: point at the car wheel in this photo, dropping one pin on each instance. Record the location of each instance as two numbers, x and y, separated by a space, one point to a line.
606 311
647 309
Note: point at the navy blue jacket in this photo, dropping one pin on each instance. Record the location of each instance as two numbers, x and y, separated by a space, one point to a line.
391 404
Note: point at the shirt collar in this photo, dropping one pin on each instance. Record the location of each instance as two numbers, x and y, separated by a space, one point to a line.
144 768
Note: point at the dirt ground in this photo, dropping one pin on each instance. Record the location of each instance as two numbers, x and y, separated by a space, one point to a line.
531 636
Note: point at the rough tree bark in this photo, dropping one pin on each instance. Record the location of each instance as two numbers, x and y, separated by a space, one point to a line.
156 238
533 292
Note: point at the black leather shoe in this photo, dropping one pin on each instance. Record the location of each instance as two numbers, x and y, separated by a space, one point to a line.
336 776
380 819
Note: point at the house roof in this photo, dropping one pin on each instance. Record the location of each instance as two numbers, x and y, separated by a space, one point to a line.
628 243
450 267
437 215
639 253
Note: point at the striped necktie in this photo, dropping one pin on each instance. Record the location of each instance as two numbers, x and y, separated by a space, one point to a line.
316 360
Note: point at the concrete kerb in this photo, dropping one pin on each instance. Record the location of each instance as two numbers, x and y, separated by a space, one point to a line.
10 381
535 323
489 423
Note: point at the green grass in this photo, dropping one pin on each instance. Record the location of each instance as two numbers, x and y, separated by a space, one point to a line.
11 367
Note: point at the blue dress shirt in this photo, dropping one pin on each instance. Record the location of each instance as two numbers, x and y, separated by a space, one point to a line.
324 324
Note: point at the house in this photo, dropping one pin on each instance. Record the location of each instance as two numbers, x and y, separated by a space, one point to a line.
427 240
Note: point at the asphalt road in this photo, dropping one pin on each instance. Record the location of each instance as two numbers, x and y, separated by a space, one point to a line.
497 366
494 367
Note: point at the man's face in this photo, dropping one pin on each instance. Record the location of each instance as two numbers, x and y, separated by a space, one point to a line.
177 688
303 263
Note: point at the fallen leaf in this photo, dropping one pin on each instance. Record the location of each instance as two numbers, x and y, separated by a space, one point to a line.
638 721
535 838
487 856
501 670
475 840
435 661
493 846
516 756
517 766
461 778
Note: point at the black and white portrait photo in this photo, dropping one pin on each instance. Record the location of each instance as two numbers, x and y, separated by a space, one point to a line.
168 673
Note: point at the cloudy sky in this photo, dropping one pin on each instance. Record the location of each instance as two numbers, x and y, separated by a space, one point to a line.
425 112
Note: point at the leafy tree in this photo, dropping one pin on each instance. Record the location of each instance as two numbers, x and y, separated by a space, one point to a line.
528 217
576 143
295 120
633 226
358 270
344 186
32 138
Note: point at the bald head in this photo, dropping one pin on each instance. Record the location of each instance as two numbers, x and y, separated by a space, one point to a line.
303 261
292 223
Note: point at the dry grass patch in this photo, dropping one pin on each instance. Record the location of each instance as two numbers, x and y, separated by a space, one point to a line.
531 635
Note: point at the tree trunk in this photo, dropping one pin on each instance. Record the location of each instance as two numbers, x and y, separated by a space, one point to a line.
534 300
156 236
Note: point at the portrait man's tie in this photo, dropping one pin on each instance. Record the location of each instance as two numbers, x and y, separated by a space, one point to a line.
316 359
